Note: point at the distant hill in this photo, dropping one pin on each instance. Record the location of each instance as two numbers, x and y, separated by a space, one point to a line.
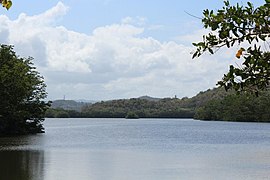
204 97
86 101
148 98
212 104
68 105
144 106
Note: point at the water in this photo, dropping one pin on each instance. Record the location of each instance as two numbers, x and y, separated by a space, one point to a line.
144 149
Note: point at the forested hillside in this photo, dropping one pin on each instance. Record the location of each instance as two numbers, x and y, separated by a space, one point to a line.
144 107
163 108
68 105
215 104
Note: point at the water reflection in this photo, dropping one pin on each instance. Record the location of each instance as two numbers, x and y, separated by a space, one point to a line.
136 150
22 165
31 142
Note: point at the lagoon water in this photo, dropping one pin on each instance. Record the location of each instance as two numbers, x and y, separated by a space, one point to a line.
143 149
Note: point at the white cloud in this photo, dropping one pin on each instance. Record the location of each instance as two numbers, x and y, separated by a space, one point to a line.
138 21
114 61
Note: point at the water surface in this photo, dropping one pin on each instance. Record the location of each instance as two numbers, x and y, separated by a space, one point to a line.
145 149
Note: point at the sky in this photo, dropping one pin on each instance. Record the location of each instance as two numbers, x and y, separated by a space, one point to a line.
115 49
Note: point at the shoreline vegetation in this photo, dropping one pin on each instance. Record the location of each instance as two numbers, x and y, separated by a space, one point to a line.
22 94
132 115
210 105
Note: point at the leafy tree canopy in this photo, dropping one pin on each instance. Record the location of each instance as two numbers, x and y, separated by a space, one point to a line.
6 3
247 28
243 107
22 91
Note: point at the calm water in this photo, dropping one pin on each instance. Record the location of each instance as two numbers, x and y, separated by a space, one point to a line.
145 149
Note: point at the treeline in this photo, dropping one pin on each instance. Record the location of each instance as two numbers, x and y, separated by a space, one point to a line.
164 108
215 104
244 107
62 113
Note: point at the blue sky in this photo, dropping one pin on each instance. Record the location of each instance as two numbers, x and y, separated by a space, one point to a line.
108 49
86 15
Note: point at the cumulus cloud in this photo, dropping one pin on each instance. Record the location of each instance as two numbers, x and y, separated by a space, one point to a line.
114 61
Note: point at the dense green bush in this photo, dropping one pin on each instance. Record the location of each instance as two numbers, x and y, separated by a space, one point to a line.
22 91
243 107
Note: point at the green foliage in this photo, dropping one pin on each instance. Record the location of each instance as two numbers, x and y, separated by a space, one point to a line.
62 113
214 104
67 105
163 108
203 97
6 3
239 25
144 107
243 107
132 115
21 92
